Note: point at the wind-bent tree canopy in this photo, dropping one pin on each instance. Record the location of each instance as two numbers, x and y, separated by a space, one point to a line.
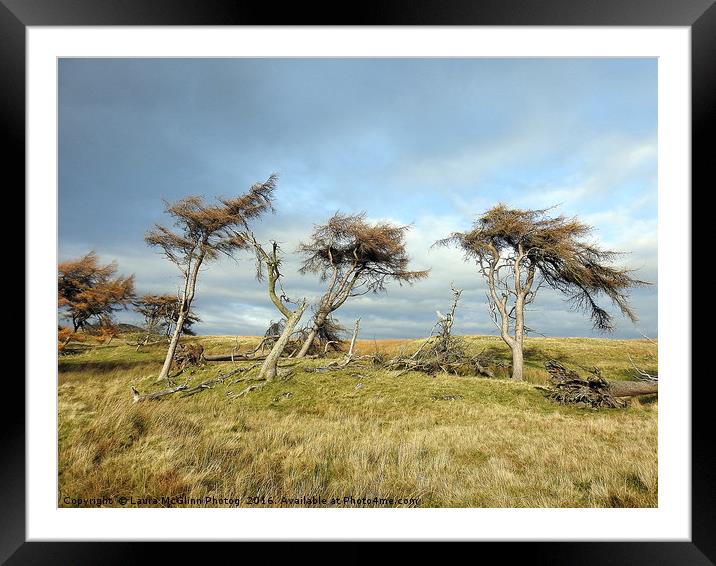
201 233
161 313
87 290
354 257
517 251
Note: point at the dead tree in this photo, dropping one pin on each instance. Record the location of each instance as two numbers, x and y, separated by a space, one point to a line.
203 232
273 332
517 251
633 388
442 351
356 330
187 355
354 257
328 337
350 354
271 263
186 390
568 387
641 373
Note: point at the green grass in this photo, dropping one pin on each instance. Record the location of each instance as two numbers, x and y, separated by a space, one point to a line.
362 432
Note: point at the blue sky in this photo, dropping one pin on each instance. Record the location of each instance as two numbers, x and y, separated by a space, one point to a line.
427 142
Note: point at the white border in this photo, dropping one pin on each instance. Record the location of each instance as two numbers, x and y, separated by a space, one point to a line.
670 521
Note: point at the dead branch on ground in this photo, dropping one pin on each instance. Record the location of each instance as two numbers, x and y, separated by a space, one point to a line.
443 352
349 356
188 391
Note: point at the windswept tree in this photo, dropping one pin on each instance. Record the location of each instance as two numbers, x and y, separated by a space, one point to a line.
201 233
270 262
161 313
518 251
354 257
88 291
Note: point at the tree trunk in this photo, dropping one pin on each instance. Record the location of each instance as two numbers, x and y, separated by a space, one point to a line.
184 307
356 329
269 369
517 361
173 343
632 388
307 343
318 321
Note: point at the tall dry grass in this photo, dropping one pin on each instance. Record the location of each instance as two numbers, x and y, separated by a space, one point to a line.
443 441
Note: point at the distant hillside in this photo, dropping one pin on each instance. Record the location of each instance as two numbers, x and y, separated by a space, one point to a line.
122 326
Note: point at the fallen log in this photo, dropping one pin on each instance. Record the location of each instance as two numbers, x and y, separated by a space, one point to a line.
227 357
568 387
136 396
268 339
188 391
632 388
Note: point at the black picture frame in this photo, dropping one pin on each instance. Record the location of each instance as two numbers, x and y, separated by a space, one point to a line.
699 15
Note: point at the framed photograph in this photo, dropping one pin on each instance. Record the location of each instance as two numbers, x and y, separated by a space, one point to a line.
410 277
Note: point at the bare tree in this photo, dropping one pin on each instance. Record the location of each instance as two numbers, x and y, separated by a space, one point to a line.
443 352
161 313
269 369
271 262
201 233
517 251
354 257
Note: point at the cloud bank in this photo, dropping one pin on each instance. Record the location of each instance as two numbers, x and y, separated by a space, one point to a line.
426 142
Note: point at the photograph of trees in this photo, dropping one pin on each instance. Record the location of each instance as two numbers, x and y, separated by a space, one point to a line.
358 282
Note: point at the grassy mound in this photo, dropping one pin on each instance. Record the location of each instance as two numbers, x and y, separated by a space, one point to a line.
442 441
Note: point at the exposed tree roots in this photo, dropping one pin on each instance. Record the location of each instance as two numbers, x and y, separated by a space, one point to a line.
187 355
569 388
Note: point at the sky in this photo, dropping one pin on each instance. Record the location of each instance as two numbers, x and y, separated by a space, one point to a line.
430 143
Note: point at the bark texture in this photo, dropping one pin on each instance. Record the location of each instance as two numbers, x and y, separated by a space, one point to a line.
633 388
269 369
187 298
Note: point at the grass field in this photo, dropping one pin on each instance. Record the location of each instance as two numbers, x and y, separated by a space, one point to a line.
361 432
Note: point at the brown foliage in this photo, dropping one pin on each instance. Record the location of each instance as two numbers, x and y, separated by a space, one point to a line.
64 335
555 249
106 332
368 253
355 257
204 231
187 355
201 233
86 290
